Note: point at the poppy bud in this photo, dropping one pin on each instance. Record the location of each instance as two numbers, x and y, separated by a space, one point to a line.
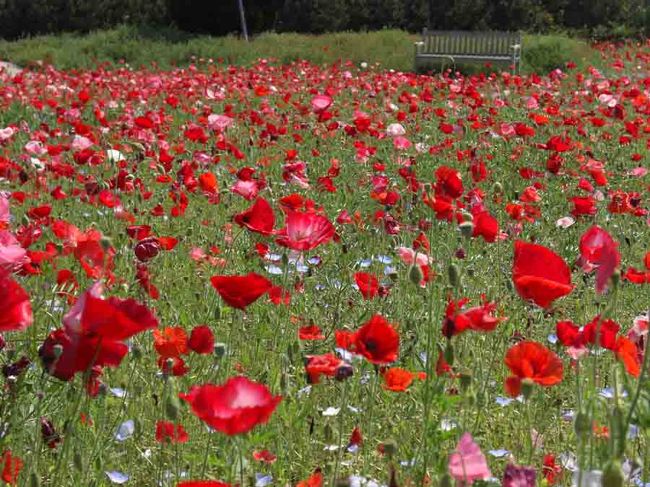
415 274
136 352
465 380
285 259
105 242
613 474
466 229
284 383
389 447
328 433
34 480
582 424
449 353
454 275
617 431
217 312
77 460
527 386
616 278
172 406
219 350
497 188
99 464
446 481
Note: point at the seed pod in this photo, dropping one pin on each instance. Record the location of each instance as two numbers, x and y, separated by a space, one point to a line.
219 350
449 353
106 243
613 474
78 462
617 433
415 274
172 406
454 275
466 229
328 433
446 481
34 480
582 423
465 380
136 352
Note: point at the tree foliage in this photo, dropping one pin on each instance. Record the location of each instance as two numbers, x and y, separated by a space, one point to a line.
20 18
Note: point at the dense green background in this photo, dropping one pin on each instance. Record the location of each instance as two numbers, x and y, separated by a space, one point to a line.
599 18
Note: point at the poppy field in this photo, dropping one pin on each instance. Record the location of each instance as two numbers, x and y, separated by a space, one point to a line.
309 275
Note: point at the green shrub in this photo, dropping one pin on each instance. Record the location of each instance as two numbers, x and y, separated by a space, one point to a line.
391 48
543 53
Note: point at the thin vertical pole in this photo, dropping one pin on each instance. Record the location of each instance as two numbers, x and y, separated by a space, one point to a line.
242 17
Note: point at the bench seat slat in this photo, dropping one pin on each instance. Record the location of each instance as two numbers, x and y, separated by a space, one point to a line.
470 46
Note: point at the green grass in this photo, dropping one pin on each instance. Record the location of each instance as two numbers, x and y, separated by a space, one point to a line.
393 49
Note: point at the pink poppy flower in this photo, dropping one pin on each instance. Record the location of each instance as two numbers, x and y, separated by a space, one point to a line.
410 256
599 251
321 103
468 463
12 254
305 231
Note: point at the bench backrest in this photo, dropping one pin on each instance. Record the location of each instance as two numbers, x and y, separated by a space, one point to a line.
470 42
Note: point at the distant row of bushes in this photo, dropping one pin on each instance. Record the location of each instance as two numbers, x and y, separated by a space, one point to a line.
599 18
167 47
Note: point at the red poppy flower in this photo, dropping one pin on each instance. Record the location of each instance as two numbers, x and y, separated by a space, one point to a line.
328 364
599 250
626 351
201 340
551 470
533 361
310 332
315 480
448 182
368 284
583 206
264 456
93 334
167 432
170 342
15 308
172 366
377 340
11 467
397 379
539 274
258 218
208 183
478 318
241 291
486 226
233 408
356 438
305 231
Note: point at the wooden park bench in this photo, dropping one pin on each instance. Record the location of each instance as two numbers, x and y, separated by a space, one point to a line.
468 46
